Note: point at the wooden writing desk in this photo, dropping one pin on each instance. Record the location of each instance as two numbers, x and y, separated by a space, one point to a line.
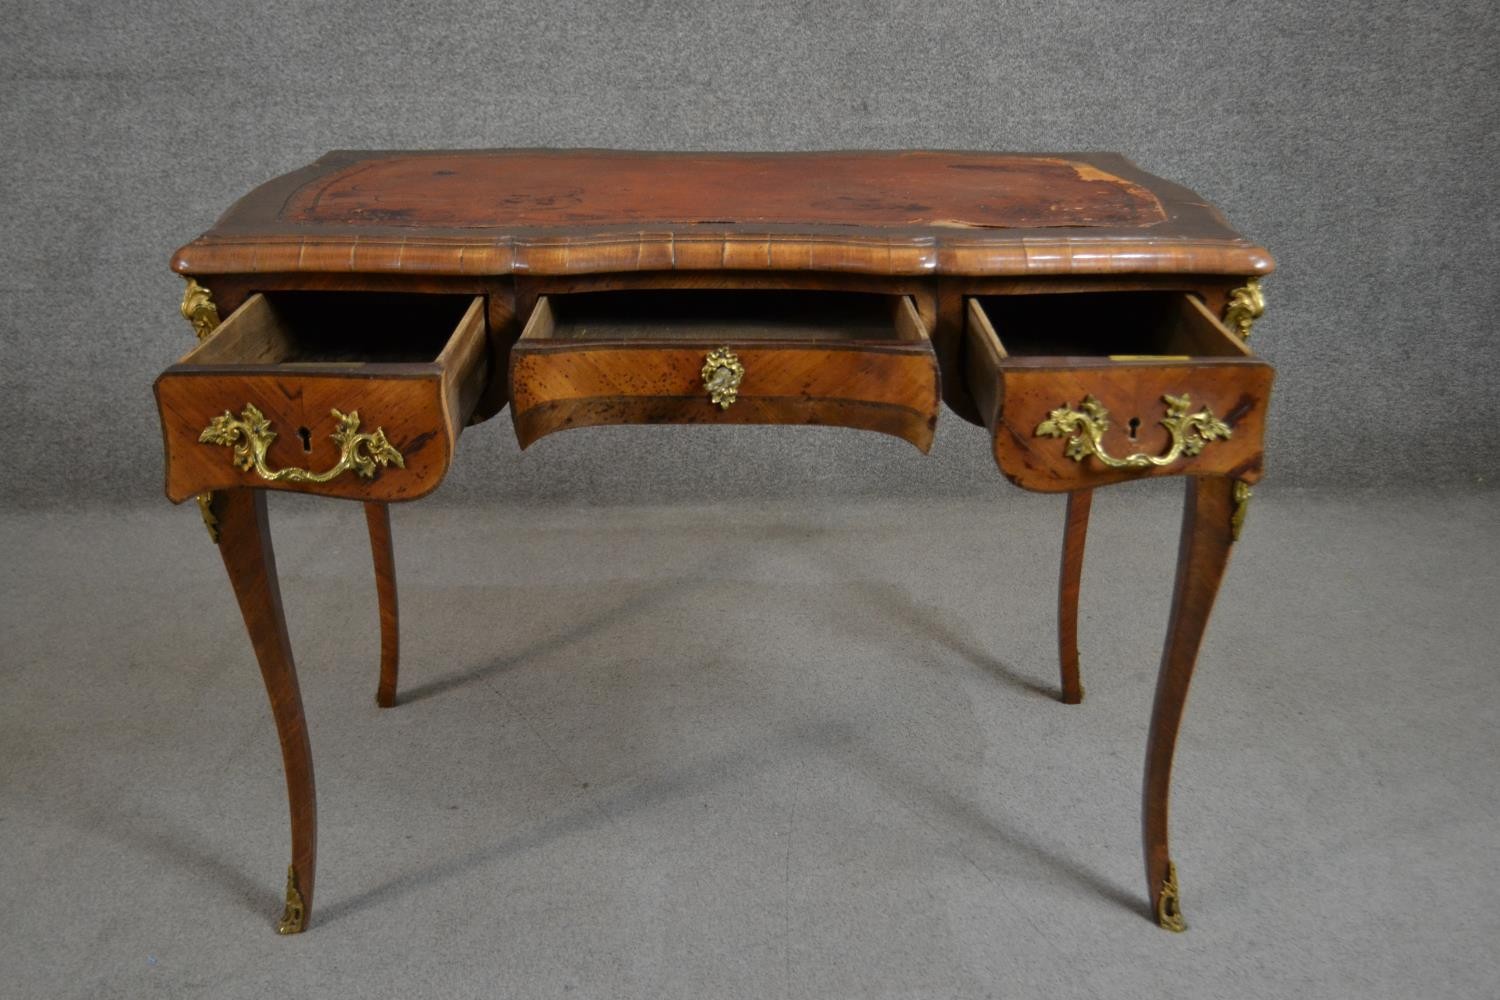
1094 318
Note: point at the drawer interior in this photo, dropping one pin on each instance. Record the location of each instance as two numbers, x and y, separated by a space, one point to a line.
335 329
1116 325
731 315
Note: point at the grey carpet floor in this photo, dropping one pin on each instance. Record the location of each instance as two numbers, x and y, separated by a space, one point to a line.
756 751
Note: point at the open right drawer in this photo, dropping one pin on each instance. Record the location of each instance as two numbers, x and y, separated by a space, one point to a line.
1089 388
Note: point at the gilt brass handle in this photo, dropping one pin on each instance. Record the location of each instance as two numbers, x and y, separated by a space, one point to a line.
1190 432
251 435
722 375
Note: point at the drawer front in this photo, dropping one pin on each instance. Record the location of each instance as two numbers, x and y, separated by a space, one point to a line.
376 430
889 386
1064 422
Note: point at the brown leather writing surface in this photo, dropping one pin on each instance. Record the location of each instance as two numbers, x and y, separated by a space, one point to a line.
493 190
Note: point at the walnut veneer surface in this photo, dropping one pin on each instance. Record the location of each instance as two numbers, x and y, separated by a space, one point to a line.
1093 317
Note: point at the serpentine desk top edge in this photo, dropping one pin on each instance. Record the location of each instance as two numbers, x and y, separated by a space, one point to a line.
580 211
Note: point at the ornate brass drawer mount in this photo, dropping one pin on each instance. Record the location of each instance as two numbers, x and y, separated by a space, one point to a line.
251 435
1191 432
722 375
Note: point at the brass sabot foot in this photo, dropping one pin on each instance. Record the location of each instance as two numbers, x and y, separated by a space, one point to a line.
294 915
1169 903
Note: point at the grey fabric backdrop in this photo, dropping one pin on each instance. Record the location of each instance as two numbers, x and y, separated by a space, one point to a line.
1357 141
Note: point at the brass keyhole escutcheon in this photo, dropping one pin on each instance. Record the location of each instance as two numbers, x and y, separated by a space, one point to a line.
722 375
250 435
1084 428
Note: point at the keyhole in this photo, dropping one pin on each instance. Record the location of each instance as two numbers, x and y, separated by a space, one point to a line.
306 436
1135 425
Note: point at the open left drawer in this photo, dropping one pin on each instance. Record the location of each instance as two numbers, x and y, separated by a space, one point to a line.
1080 389
358 395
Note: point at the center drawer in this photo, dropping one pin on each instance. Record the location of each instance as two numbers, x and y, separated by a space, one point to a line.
1081 389
684 356
348 394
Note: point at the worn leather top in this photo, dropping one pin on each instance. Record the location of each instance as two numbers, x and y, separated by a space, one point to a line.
478 212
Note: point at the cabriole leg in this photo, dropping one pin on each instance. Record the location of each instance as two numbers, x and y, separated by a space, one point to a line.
245 544
1202 556
378 517
1075 535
